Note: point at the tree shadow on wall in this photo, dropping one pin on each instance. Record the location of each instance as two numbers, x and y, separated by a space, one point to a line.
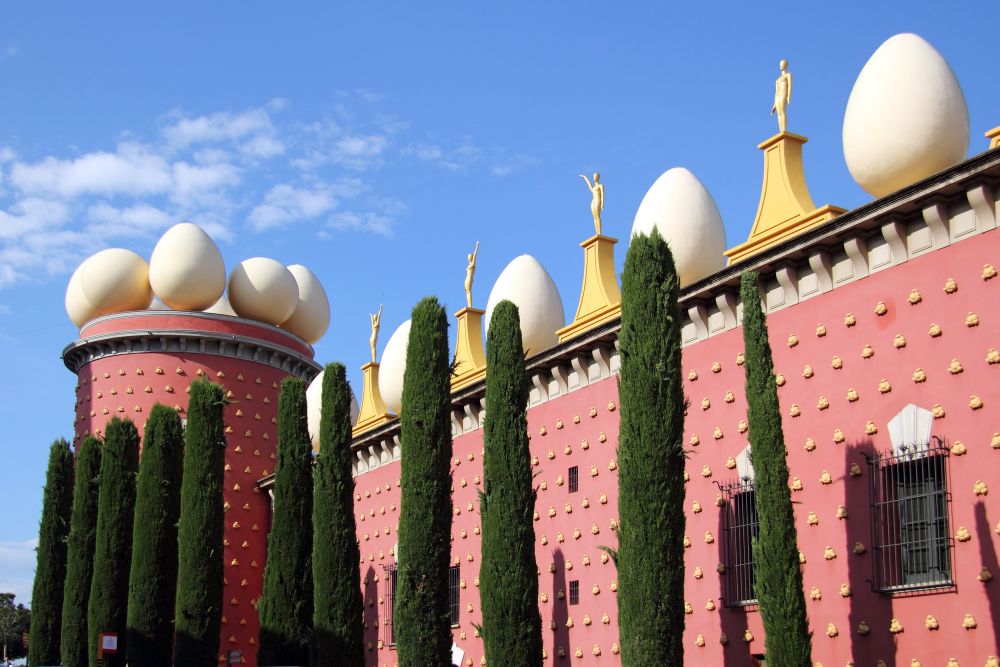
373 628
864 605
732 620
560 606
988 558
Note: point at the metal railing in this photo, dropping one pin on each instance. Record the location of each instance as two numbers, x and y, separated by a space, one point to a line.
740 528
910 507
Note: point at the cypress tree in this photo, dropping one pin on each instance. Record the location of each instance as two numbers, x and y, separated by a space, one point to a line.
650 555
422 616
153 582
113 540
286 606
199 534
80 553
512 626
50 573
338 639
778 577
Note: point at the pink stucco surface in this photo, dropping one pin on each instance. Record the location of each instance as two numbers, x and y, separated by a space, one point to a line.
128 385
563 434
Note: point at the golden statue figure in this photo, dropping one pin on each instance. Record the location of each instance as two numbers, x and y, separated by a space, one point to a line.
597 199
782 95
376 319
469 271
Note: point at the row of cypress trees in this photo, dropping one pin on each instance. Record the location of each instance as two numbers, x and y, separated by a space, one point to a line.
108 544
311 607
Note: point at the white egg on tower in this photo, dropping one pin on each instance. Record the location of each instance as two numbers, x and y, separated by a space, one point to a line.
186 270
116 280
685 214
525 282
78 307
312 312
906 118
263 289
314 408
392 367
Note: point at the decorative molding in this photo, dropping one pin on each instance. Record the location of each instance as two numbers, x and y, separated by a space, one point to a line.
180 341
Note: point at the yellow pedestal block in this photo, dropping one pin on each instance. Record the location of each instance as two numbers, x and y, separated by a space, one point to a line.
373 411
470 361
600 298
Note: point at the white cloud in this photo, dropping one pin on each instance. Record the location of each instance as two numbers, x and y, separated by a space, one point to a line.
375 223
509 165
217 170
131 170
359 151
216 127
136 220
286 203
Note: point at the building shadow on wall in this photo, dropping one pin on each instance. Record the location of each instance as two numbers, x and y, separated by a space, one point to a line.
373 628
560 606
732 620
864 605
988 559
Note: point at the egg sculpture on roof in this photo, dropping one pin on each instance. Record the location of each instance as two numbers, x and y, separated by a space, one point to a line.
78 307
222 307
392 367
906 118
314 408
685 214
312 312
116 280
262 289
526 283
186 269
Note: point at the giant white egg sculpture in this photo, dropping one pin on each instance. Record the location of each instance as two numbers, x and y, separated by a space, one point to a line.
263 289
314 408
115 280
222 307
906 117
186 269
312 313
526 282
78 307
679 206
392 367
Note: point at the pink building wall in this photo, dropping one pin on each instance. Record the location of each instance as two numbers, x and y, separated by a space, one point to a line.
580 429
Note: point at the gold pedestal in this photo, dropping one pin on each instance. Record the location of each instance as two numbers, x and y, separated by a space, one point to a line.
600 298
785 208
470 362
994 137
373 411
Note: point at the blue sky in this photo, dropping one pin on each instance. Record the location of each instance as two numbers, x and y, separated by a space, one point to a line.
376 142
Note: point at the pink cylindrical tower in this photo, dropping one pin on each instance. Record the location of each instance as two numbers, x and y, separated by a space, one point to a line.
126 362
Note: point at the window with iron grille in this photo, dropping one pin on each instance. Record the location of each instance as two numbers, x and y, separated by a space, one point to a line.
740 529
454 599
910 502
390 600
574 592
454 595
574 479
